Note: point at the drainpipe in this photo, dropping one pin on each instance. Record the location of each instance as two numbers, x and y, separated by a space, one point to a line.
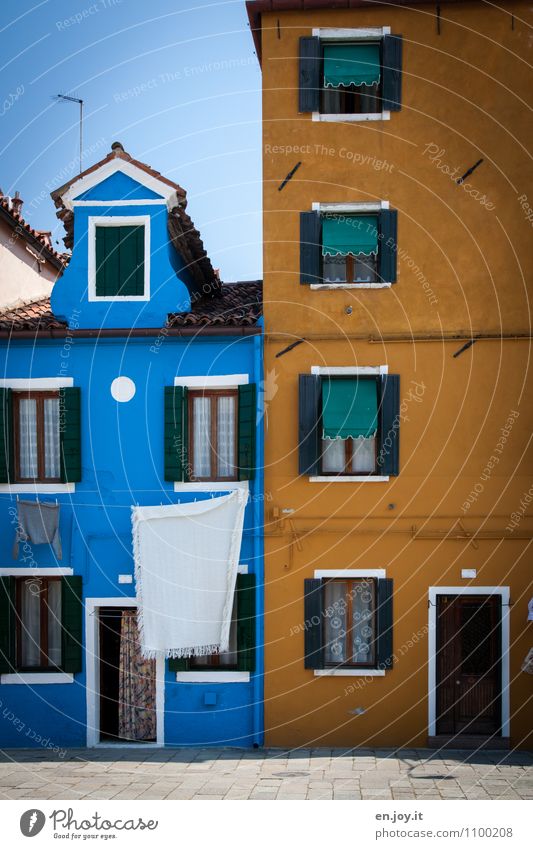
258 504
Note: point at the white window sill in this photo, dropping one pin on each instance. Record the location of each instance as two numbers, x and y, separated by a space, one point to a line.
38 488
25 571
350 285
350 673
349 479
229 677
37 678
355 117
210 486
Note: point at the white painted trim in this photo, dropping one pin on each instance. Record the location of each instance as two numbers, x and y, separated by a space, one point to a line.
319 286
32 384
360 34
349 479
210 486
212 381
37 488
364 206
92 656
350 573
351 118
350 673
327 371
504 592
24 572
83 184
110 203
228 677
37 678
117 221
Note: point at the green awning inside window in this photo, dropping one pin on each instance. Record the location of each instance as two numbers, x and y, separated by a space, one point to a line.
349 234
349 408
351 64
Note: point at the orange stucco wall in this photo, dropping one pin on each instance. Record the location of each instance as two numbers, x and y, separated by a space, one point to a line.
464 267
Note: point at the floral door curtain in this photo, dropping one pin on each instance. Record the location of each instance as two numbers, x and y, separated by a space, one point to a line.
136 710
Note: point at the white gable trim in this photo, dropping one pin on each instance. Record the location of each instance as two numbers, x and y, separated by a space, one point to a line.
112 167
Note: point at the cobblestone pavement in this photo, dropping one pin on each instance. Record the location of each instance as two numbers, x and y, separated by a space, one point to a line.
120 773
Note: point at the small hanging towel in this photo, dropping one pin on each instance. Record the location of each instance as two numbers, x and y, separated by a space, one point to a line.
38 523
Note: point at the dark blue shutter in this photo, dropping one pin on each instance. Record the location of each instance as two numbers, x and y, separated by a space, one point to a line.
392 72
71 623
310 247
309 75
70 433
389 425
309 443
246 431
7 624
6 435
384 624
313 619
388 245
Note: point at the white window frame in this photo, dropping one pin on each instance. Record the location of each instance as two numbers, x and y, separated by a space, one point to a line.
350 573
95 221
227 676
362 34
34 384
212 381
350 209
349 371
505 594
32 678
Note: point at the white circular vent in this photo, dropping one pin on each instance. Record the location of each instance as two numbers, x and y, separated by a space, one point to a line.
122 389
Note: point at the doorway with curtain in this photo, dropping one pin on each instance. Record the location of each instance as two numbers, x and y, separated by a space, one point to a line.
127 680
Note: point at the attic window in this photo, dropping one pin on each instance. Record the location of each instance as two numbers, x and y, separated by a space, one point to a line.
119 258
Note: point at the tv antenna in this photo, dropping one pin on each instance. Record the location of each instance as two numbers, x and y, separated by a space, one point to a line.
67 97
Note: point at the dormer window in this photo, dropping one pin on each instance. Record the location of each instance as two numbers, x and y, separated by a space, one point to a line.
119 252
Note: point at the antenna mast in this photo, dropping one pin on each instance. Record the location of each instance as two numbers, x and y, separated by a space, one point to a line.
75 100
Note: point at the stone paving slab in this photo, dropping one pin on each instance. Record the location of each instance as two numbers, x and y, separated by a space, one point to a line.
268 774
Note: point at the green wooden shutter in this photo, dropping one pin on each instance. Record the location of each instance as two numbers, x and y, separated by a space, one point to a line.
6 435
179 664
392 72
388 245
310 248
389 425
384 624
176 433
309 412
70 433
313 624
119 261
7 624
71 623
246 431
309 74
246 622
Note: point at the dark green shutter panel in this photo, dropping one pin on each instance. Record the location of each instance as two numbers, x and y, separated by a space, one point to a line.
388 245
310 248
7 625
392 73
389 425
313 619
384 624
309 412
70 433
246 623
176 433
71 623
179 664
6 434
246 431
131 260
309 75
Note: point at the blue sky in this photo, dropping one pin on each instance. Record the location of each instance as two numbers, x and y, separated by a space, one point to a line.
176 81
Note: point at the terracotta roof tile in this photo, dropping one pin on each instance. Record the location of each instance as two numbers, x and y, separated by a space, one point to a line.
19 223
34 316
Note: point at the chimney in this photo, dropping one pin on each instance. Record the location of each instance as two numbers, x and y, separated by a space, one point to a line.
17 202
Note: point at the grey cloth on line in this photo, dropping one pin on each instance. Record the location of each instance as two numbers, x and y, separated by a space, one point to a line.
38 522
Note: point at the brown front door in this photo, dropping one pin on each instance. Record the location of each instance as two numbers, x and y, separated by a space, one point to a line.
468 664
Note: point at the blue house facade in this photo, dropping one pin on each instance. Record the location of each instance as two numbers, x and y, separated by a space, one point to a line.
136 385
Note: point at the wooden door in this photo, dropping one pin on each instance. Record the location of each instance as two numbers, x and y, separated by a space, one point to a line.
468 664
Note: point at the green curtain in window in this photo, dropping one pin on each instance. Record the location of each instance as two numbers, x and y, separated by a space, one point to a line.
351 64
349 408
349 234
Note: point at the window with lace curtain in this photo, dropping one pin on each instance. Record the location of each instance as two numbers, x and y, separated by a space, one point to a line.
38 636
213 434
36 437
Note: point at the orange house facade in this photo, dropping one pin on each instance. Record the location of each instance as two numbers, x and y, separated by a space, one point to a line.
398 207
